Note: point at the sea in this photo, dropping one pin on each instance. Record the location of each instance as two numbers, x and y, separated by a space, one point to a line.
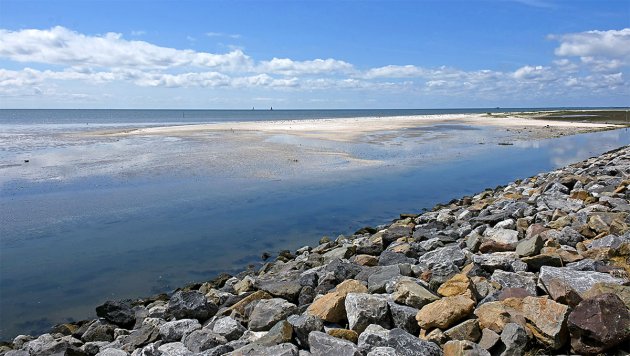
85 220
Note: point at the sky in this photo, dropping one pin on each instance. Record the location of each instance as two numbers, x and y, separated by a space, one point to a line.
305 54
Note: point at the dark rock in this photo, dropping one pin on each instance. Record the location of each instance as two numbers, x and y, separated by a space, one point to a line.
395 232
322 344
99 331
285 285
285 349
118 313
559 283
389 258
191 305
343 270
303 325
599 324
307 294
404 317
514 293
203 339
514 337
364 309
378 279
140 337
406 344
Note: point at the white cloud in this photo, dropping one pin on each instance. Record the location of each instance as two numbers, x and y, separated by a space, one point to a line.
538 73
612 44
287 66
65 47
395 71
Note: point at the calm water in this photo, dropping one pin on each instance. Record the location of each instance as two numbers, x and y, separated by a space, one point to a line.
112 238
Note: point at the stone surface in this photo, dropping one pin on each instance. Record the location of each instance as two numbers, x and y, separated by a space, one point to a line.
345 334
268 312
117 312
459 284
445 312
598 324
323 344
175 330
364 309
530 247
525 280
623 292
190 305
412 294
174 349
329 307
280 333
228 328
467 330
404 317
203 339
303 325
514 337
562 284
488 339
546 320
463 348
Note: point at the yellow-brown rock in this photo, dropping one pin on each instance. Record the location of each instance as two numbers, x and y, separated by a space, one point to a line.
330 307
345 334
579 194
240 305
445 312
459 284
546 320
495 315
350 286
366 260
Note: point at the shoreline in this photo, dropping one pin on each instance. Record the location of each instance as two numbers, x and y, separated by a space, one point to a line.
442 275
348 129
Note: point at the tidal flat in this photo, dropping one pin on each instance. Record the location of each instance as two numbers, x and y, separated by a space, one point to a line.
96 212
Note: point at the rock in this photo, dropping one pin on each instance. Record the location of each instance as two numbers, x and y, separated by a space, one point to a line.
228 328
388 258
546 259
268 312
285 285
514 337
366 260
373 336
364 309
452 253
175 330
99 331
445 312
530 247
190 305
599 324
118 313
241 305
501 236
406 344
174 349
565 284
350 286
468 330
280 333
383 351
203 339
394 232
463 348
146 334
112 352
514 293
488 339
323 344
412 294
378 279
623 292
459 284
303 325
285 349
345 334
47 345
495 315
525 280
546 320
329 307
496 260
404 317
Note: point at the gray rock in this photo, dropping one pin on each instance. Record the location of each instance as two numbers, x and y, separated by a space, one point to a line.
228 328
383 351
364 309
285 349
148 350
323 344
441 273
17 353
525 280
174 349
118 313
530 247
451 253
557 281
468 330
609 241
146 334
388 258
378 279
190 305
217 351
112 352
342 270
283 285
586 264
177 329
569 237
514 337
489 339
268 312
280 333
404 317
496 260
501 235
203 339
406 344
93 347
373 336
303 325
45 345
394 232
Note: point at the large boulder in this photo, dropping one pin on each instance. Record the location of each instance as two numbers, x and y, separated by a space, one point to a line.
598 324
190 305
268 312
445 312
569 286
547 320
117 312
364 309
175 330
323 344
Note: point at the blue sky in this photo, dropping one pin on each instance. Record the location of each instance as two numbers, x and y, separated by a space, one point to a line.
314 54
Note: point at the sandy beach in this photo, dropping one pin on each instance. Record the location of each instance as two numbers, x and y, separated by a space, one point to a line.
350 129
